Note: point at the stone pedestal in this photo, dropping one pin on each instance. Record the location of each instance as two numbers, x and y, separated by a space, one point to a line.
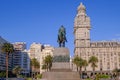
61 51
61 59
61 67
61 75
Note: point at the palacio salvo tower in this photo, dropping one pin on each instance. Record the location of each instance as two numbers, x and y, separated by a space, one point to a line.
81 29
107 52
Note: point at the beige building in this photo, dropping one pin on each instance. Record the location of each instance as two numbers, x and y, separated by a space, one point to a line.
35 50
39 52
107 52
47 50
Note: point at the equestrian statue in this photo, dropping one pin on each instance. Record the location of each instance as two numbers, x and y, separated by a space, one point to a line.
62 36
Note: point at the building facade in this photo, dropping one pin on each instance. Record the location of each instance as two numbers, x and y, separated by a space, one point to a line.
107 52
39 52
21 46
21 58
3 57
47 50
35 50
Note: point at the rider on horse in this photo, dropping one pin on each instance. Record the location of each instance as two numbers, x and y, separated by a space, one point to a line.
62 37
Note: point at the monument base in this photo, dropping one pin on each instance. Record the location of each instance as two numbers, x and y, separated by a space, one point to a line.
68 75
61 58
61 67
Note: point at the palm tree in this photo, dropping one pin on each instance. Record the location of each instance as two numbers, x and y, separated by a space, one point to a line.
85 64
7 48
76 61
117 72
35 64
48 62
16 70
93 61
44 66
81 63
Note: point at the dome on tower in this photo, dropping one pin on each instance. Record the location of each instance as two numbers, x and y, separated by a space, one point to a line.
81 7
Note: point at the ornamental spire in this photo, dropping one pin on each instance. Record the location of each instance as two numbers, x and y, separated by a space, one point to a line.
81 7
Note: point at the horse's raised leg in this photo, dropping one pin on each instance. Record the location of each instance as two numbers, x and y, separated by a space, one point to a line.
59 44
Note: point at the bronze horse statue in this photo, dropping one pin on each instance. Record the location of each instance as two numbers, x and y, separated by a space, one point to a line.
62 36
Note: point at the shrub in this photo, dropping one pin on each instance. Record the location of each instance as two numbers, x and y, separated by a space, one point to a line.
39 76
2 74
103 76
88 79
29 78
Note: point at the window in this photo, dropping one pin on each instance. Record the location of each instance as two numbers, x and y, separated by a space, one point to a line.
108 67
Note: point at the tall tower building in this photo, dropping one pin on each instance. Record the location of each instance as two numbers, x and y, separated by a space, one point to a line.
81 29
107 52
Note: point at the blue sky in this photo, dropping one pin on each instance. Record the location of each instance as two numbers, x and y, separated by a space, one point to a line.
39 20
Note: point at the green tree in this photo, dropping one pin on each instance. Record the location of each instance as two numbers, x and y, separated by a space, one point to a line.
85 64
39 76
93 61
117 72
44 66
48 62
2 74
76 61
79 62
35 65
7 48
17 70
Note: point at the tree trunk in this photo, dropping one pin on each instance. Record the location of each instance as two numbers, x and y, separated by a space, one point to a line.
77 68
17 75
85 69
33 70
117 76
47 67
93 72
80 72
7 65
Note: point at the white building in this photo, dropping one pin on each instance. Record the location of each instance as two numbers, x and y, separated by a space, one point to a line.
47 50
19 46
39 52
107 52
35 50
